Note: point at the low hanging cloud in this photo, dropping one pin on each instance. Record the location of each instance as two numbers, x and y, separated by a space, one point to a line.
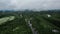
30 4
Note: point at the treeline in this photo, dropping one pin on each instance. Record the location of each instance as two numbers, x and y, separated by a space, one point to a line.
42 11
12 12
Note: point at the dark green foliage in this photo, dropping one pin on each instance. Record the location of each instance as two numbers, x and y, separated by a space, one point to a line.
40 22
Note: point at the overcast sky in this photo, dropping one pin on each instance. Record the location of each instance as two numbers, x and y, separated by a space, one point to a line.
30 4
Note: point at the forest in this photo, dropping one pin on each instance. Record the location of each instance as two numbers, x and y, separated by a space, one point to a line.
30 22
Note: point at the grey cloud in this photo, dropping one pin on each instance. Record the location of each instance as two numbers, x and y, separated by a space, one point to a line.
30 4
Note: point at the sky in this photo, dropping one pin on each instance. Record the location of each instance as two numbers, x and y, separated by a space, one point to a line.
29 4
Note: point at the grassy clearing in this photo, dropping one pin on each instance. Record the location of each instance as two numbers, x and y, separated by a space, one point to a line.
5 19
